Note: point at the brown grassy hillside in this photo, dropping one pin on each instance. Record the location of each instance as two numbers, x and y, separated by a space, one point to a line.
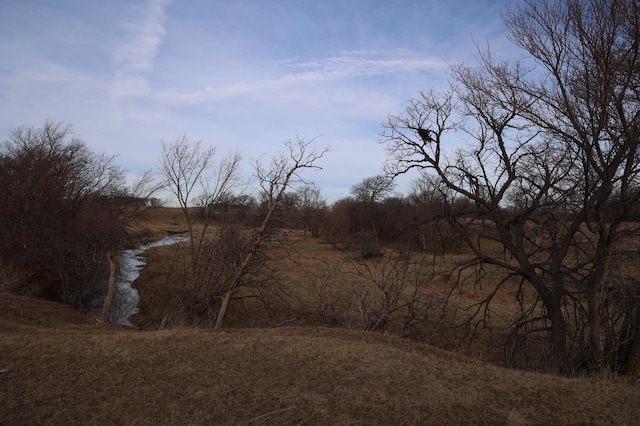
57 367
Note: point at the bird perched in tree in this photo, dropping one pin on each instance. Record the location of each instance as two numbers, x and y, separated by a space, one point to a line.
425 134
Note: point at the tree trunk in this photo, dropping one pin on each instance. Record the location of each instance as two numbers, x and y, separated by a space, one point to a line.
113 273
595 327
632 364
223 309
558 338
64 284
603 250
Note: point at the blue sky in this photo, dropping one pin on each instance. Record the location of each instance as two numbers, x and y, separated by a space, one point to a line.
241 75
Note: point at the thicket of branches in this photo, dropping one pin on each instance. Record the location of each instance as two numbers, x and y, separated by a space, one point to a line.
57 213
231 261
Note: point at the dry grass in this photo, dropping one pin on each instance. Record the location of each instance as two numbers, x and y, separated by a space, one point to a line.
64 371
323 288
155 223
59 367
321 283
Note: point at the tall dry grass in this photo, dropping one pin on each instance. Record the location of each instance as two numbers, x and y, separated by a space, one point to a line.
60 370
322 285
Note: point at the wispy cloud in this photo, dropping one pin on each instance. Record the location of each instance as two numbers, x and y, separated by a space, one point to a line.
143 39
128 73
304 77
361 63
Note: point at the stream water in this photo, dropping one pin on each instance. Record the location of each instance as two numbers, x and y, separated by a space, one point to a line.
126 299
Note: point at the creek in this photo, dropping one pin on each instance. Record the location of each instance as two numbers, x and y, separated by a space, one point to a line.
126 299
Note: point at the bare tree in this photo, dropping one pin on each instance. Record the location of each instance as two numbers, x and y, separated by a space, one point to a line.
282 173
198 183
312 208
189 171
368 195
552 166
428 221
222 261
373 189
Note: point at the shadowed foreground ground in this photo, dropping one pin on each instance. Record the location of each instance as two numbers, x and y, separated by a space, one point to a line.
57 367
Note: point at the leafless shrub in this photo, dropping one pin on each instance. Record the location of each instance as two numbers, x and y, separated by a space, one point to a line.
394 291
323 296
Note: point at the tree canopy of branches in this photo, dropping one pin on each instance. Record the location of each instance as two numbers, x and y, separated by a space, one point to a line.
189 171
228 259
368 209
55 213
283 172
374 188
199 184
551 166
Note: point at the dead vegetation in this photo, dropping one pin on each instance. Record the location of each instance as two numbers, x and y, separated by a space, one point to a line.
60 370
300 358
423 297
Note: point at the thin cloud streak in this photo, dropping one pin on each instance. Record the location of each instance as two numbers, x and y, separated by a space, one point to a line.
143 39
297 76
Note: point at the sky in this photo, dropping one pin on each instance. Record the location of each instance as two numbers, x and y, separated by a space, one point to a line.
241 75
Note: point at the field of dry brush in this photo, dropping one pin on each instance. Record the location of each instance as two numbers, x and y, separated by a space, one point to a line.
292 360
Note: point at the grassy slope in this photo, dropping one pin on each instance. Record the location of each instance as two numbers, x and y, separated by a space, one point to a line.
57 367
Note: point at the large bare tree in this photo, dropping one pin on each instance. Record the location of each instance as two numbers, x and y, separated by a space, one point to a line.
546 188
312 209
